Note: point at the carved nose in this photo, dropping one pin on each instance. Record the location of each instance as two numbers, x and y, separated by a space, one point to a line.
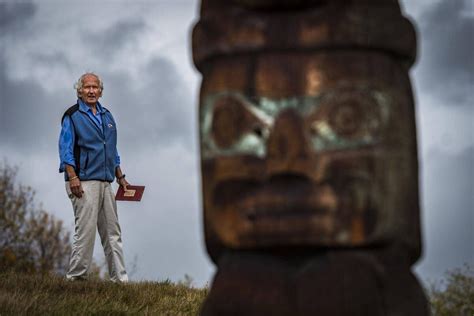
287 143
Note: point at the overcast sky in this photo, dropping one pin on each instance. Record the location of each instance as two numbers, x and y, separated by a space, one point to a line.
142 51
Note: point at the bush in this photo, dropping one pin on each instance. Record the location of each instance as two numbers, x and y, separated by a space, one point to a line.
31 240
454 295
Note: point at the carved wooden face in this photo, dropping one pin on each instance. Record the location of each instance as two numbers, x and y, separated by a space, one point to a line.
322 163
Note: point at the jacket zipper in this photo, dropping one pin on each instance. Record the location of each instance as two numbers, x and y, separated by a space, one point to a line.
105 147
103 141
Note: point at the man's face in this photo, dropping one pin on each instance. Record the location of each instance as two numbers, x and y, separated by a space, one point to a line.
325 156
90 91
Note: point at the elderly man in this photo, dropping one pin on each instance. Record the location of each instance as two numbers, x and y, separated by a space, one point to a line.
90 162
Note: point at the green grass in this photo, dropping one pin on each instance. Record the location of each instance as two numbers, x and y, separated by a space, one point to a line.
22 294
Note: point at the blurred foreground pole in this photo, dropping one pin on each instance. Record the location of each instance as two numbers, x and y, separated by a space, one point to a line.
309 157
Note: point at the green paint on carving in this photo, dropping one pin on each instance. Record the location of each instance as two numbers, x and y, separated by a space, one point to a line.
323 137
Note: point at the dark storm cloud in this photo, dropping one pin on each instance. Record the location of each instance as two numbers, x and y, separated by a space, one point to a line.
152 109
14 19
448 211
14 15
51 59
109 41
29 120
447 44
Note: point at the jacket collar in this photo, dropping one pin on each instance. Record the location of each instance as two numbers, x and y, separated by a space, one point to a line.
83 107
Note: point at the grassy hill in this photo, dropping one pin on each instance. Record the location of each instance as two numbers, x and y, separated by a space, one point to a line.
45 295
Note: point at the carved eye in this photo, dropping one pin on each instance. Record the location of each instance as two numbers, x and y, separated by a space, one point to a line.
347 119
231 120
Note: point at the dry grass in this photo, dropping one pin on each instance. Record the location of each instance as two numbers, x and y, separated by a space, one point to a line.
45 295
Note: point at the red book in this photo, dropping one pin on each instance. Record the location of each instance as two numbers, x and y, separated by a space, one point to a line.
133 193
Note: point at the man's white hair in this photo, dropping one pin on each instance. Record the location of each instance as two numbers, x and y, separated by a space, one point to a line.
80 82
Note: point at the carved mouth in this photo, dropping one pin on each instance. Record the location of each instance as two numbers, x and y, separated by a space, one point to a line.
289 199
293 210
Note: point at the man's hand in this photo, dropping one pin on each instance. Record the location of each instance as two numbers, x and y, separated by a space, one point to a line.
123 183
76 188
121 178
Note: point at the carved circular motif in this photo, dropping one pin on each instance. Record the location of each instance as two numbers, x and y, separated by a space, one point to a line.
228 122
347 119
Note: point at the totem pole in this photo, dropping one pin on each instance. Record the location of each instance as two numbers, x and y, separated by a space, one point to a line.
309 157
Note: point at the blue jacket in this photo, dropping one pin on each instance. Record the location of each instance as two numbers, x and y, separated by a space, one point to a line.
95 148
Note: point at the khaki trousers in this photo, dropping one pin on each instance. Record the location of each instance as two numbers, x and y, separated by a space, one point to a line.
96 207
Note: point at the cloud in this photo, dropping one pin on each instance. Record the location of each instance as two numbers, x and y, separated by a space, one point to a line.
109 42
14 14
26 122
442 127
14 19
444 74
447 42
155 110
448 211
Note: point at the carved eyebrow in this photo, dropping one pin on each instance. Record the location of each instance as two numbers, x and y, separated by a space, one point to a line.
259 113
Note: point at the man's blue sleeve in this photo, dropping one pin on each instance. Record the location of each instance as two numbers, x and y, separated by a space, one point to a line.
117 156
117 159
66 144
